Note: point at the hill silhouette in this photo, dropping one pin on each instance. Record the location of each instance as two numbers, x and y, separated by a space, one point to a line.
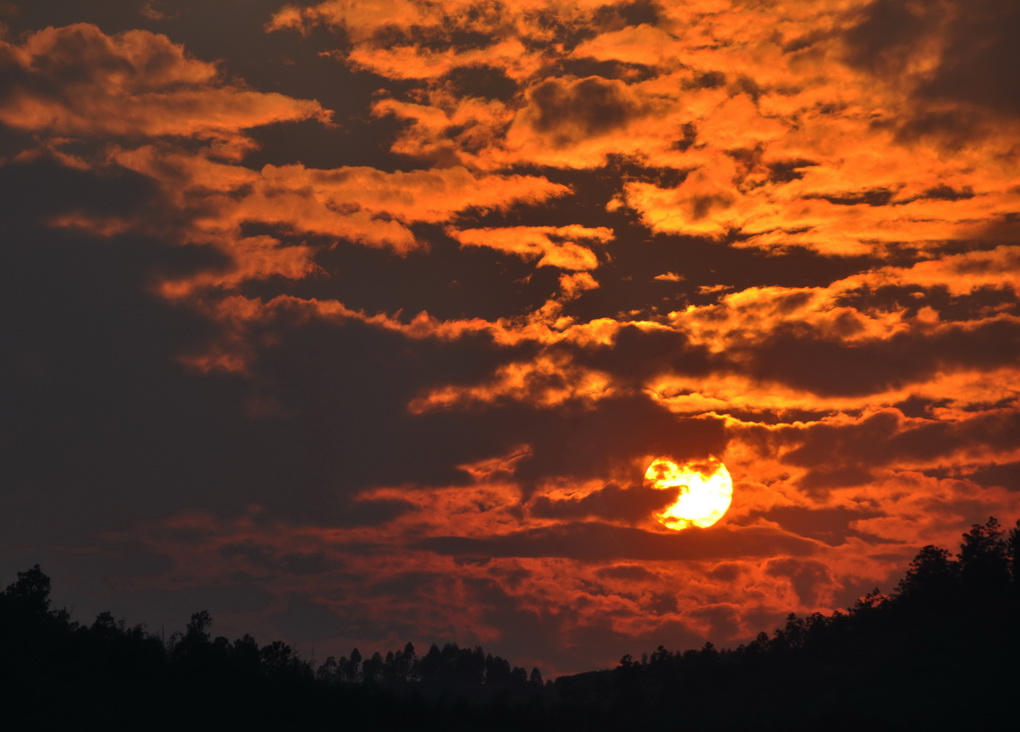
940 652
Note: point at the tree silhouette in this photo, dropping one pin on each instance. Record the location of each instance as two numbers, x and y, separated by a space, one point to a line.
31 591
984 561
931 577
939 653
1013 552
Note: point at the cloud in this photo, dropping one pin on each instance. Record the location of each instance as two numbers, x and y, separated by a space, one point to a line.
214 202
610 503
639 352
806 577
552 246
829 525
596 542
567 111
889 34
879 365
885 437
363 203
644 44
76 80
543 382
627 572
952 50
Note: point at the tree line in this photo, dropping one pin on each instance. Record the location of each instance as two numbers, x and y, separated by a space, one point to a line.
942 649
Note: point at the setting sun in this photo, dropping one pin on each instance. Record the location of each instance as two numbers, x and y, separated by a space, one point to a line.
706 490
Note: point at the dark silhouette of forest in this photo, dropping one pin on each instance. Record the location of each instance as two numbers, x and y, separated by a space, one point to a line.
941 652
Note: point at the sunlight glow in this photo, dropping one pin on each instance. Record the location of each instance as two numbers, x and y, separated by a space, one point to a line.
706 490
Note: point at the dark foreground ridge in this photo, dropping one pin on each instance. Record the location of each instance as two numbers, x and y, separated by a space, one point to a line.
939 653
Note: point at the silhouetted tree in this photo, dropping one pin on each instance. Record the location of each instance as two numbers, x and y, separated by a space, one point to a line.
31 591
351 668
372 668
931 577
327 672
984 562
1013 550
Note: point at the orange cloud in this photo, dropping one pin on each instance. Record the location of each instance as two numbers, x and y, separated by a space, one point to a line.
719 80
545 382
363 205
552 246
76 80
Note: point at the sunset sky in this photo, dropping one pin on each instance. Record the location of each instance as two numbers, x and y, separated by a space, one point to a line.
359 321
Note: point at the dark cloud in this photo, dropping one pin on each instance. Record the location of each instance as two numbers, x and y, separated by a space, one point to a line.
588 442
633 572
373 513
828 525
909 299
268 557
446 280
801 356
785 171
706 80
406 584
872 197
597 542
975 42
723 619
618 15
661 603
569 111
1006 475
726 571
608 69
885 438
888 32
638 354
306 621
804 576
612 503
980 46
534 632
953 128
820 479
485 82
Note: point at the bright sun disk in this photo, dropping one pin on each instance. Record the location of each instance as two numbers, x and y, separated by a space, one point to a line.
706 490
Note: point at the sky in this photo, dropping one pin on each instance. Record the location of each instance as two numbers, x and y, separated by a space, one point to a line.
357 322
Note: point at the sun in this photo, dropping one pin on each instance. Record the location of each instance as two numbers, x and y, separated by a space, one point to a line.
706 490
